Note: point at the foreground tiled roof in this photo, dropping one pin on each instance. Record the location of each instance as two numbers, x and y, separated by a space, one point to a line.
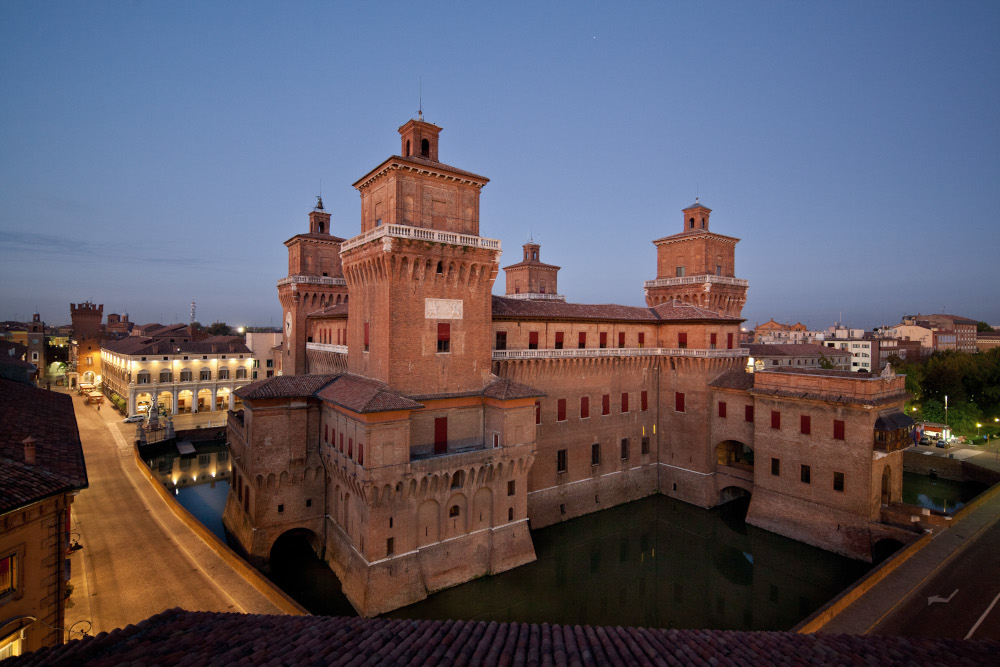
676 310
284 386
210 638
47 417
364 395
504 307
506 389
335 310
138 345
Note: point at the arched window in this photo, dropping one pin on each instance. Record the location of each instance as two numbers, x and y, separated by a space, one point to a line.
321 226
407 148
692 223
425 148
453 511
440 268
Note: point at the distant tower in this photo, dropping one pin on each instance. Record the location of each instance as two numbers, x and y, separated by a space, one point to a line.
86 318
193 318
697 267
531 279
315 280
36 344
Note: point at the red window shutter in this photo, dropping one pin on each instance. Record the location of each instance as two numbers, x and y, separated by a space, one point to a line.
561 410
775 419
712 339
805 424
722 409
440 435
604 339
341 443
444 332
625 402
606 404
642 339
361 452
583 340
559 340
326 433
538 412
643 399
838 429
679 402
533 339
748 413
584 407
682 339
729 341
621 339
350 448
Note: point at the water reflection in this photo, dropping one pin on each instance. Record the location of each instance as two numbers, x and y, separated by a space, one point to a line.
656 562
944 495
199 478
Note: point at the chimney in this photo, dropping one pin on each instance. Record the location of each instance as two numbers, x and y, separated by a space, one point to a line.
29 450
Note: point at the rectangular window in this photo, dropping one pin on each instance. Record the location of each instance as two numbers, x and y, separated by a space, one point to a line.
722 409
390 546
805 474
679 402
805 424
8 574
223 373
501 340
559 340
604 339
624 449
367 340
444 337
538 412
729 341
644 401
582 342
595 454
680 271
838 429
718 269
712 341
510 488
775 419
206 374
606 404
645 444
776 467
621 339
748 413
561 410
584 407
642 339
440 435
532 340
682 340
341 443
561 460
838 481
624 402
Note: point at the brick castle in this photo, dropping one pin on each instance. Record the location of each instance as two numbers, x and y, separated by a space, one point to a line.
420 423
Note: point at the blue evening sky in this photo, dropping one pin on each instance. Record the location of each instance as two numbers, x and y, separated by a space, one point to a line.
152 153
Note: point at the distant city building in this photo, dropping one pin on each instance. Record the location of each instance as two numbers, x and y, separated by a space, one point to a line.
262 349
987 341
801 355
939 332
41 470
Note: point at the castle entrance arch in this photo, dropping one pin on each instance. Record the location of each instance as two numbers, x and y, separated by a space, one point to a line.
736 455
291 540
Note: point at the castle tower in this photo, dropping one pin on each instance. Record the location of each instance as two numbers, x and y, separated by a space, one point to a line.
36 344
315 280
697 267
419 275
86 318
530 278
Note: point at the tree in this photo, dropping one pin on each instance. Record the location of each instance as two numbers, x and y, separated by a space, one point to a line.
824 362
982 327
219 329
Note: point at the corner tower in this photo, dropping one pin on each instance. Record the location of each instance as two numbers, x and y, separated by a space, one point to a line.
697 267
315 280
419 274
532 279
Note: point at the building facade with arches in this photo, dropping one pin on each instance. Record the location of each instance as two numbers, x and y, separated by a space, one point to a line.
421 422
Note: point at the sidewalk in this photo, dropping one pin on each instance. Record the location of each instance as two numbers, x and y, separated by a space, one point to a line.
922 560
139 556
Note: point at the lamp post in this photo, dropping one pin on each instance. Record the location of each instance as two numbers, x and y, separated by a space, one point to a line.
946 413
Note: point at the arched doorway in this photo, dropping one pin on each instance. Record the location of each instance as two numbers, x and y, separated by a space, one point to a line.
297 570
886 485
185 398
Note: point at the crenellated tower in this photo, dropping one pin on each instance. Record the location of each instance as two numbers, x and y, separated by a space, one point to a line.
419 274
697 267
86 318
315 280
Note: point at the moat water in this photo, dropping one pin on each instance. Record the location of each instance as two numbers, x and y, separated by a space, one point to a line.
656 562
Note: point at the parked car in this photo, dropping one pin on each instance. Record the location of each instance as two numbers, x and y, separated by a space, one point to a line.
942 444
924 440
134 418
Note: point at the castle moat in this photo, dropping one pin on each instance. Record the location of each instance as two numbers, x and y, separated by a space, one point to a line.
656 562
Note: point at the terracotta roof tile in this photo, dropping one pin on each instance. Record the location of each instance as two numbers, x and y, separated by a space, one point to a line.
793 350
515 308
48 417
284 386
505 389
733 380
363 395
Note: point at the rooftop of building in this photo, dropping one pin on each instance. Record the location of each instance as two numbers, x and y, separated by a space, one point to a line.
140 345
421 163
792 350
201 638
504 307
48 418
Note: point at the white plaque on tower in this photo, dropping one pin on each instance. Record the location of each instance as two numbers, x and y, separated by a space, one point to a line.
443 309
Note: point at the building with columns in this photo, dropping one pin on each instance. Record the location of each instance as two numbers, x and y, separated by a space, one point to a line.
421 423
176 372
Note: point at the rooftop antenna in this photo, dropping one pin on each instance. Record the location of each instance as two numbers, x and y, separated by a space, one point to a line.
193 320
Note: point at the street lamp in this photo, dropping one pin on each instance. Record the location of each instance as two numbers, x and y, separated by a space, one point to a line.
978 426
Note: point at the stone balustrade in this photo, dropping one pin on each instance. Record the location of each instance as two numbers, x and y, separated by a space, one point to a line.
327 347
312 280
694 280
419 234
500 355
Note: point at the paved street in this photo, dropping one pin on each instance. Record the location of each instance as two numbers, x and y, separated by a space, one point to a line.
138 557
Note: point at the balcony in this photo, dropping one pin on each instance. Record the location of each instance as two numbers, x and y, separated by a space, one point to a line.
500 355
313 280
695 280
536 296
327 347
419 234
